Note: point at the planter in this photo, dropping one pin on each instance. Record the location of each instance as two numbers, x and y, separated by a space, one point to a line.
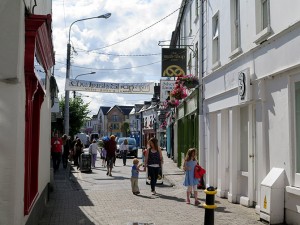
190 85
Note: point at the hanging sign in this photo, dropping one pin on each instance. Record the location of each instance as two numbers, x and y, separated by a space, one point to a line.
173 62
106 87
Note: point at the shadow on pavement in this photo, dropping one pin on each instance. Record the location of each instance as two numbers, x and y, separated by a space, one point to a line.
173 198
66 199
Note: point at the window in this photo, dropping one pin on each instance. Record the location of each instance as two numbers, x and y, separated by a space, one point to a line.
297 118
265 13
263 27
215 41
190 63
191 15
115 118
197 8
115 126
235 28
196 59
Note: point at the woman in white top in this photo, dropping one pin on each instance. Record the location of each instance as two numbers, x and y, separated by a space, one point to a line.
123 151
93 149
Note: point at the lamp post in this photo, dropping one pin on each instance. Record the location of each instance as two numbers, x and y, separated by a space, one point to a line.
66 116
74 92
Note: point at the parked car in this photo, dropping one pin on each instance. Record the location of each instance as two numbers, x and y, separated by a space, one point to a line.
133 149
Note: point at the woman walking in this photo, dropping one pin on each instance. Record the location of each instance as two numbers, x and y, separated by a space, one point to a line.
124 150
153 161
93 150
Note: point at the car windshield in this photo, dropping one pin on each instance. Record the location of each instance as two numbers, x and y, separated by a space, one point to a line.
131 141
94 136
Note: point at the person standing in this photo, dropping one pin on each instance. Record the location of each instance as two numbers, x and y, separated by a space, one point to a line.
189 180
123 150
66 151
93 150
153 161
135 169
111 147
78 149
56 151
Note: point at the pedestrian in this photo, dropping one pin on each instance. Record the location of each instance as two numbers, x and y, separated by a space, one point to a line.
56 151
153 162
189 180
111 147
103 156
78 150
66 150
135 169
123 150
93 150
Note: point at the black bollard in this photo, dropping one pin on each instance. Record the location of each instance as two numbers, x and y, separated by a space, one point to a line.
209 206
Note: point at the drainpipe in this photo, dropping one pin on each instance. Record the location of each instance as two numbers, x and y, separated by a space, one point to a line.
201 99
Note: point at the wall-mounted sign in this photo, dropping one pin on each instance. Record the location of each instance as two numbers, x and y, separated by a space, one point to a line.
166 86
244 86
173 62
104 87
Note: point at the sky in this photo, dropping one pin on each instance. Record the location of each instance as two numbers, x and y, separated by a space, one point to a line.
122 49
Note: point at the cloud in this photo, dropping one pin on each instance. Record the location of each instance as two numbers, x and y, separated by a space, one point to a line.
128 18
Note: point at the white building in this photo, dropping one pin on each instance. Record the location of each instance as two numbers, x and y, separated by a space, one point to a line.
26 60
102 117
251 86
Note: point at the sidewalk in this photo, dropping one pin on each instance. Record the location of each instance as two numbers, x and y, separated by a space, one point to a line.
82 199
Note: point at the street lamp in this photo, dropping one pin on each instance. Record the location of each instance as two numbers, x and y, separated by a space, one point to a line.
74 92
66 116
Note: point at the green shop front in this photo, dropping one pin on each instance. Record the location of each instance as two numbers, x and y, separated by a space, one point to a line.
187 126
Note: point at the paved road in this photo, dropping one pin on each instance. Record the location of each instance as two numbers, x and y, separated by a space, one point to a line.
94 198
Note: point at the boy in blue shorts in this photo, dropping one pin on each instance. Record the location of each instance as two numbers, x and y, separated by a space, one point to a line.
135 169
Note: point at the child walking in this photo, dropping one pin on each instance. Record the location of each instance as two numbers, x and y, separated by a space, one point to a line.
135 169
189 180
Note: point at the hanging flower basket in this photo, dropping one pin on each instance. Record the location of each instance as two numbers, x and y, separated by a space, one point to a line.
189 81
173 103
179 92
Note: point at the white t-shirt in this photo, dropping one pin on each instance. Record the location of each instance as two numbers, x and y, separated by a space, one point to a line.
93 149
123 147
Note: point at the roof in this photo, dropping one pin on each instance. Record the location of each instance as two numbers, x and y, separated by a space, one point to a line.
104 109
125 109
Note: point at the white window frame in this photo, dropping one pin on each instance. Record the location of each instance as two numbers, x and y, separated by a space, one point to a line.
196 59
190 63
235 29
263 31
196 8
296 179
191 23
216 41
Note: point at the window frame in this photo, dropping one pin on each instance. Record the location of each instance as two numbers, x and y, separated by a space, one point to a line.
235 29
216 41
262 31
296 176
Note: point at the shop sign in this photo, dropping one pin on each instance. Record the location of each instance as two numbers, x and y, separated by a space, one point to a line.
244 86
173 62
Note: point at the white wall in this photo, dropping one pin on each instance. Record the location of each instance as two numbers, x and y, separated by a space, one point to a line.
271 64
12 115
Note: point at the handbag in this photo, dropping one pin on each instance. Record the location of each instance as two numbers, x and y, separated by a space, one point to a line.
199 171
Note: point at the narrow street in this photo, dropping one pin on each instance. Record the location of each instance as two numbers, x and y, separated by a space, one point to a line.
94 198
